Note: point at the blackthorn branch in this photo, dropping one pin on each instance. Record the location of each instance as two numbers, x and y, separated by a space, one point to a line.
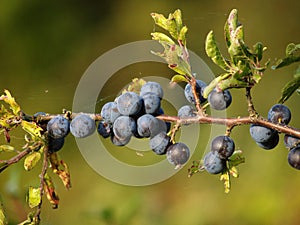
137 113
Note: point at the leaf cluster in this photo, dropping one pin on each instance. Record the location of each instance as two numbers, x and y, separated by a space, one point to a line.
243 67
292 53
35 146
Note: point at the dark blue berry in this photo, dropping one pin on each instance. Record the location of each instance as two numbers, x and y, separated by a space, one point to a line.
82 126
224 145
279 114
159 143
213 163
58 127
219 100
294 158
178 154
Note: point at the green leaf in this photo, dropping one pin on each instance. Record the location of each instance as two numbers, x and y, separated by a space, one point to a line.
34 197
32 128
286 61
195 168
178 78
236 159
290 87
258 50
31 160
214 53
292 49
214 83
227 34
6 148
232 82
291 56
230 27
235 50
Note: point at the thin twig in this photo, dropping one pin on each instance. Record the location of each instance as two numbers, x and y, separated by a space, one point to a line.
14 159
37 218
251 110
41 118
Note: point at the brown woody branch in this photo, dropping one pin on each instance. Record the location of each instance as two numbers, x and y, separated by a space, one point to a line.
232 122
15 159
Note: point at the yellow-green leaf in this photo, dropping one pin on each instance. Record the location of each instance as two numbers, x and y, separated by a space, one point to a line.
178 78
34 197
3 220
60 168
32 128
172 24
160 20
6 148
182 35
11 101
225 177
50 191
31 160
234 172
161 37
178 18
135 85
168 24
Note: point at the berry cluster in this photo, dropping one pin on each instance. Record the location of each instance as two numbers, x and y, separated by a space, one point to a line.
59 127
134 115
268 138
222 147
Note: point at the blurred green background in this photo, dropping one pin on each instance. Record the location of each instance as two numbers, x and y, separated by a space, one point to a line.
47 45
